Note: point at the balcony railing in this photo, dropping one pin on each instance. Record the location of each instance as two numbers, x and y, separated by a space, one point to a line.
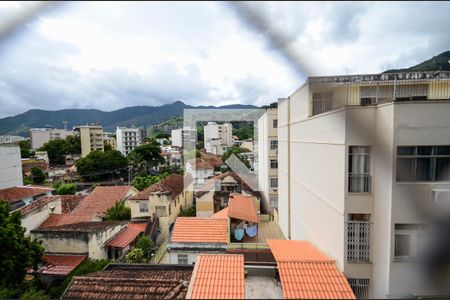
358 241
359 183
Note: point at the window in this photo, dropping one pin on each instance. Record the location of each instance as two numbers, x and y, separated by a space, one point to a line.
143 206
408 240
274 201
372 95
358 238
322 102
182 259
359 169
360 286
273 145
274 164
423 163
274 182
411 92
275 123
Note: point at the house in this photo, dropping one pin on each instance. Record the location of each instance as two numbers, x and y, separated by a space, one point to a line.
192 236
243 216
19 196
35 213
369 154
132 281
165 199
11 170
125 240
30 163
70 202
200 169
83 238
57 267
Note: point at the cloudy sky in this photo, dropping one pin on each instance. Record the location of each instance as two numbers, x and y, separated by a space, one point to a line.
112 55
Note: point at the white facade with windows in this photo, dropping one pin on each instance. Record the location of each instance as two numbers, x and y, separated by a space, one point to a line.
361 159
10 166
184 136
217 135
127 139
268 159
40 136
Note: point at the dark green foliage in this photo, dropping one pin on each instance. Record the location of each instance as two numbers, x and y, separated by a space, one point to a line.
162 135
58 148
18 251
147 245
25 149
119 212
190 212
65 188
436 63
102 165
271 105
107 147
142 182
34 294
146 156
37 176
73 145
27 181
238 152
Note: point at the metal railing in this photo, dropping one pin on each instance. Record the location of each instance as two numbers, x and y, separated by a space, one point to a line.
360 286
358 241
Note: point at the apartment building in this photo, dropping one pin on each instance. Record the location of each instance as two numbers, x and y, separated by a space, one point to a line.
217 136
40 136
11 166
362 158
183 136
127 139
110 139
9 139
91 138
268 160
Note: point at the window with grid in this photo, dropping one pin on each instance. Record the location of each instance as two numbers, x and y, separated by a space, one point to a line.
322 102
143 206
182 259
274 201
358 238
275 123
274 164
408 240
273 145
274 182
423 163
359 179
360 286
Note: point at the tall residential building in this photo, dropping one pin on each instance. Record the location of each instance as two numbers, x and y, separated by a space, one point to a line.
40 136
184 136
9 139
217 136
268 160
110 139
363 162
127 139
11 166
91 138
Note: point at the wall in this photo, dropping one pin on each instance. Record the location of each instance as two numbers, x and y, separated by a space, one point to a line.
205 205
98 240
63 242
11 167
192 255
135 211
36 217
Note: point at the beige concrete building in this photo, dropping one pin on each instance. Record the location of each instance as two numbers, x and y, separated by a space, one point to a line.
268 160
35 213
183 136
217 137
11 166
127 139
361 159
109 139
40 136
91 138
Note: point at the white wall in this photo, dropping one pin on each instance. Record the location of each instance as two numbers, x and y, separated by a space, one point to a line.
36 217
10 167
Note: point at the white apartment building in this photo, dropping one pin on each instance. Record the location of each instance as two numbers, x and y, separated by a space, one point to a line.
10 166
127 139
9 139
217 134
183 136
268 160
361 160
91 137
40 136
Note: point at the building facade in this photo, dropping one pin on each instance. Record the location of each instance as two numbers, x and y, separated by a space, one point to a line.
40 136
217 135
184 136
362 160
91 138
11 166
268 159
110 139
127 139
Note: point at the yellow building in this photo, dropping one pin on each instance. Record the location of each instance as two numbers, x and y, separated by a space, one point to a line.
91 138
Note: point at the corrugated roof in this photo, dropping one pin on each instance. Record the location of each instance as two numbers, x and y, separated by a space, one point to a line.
17 193
127 236
307 273
102 198
200 230
173 184
218 276
243 208
60 264
221 214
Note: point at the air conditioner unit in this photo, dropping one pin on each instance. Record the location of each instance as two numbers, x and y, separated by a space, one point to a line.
440 196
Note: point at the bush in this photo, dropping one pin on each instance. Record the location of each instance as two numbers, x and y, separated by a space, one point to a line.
65 189
147 246
190 212
37 175
135 256
119 212
33 294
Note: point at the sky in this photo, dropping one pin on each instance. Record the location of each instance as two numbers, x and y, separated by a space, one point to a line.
113 55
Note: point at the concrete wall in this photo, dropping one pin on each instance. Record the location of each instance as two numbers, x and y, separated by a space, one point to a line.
97 242
135 210
205 205
11 167
36 217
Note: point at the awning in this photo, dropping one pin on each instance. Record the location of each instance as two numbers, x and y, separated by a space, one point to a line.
127 236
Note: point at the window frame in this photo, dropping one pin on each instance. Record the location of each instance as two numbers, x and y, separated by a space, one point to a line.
364 175
416 234
273 164
141 208
184 257
272 143
271 185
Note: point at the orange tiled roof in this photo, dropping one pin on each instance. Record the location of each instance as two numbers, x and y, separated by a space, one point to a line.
173 184
221 214
307 273
102 198
200 230
64 219
218 276
36 204
127 236
201 163
60 264
17 193
243 208
70 202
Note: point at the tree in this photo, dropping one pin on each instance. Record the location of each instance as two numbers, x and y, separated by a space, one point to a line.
37 175
238 152
119 212
25 149
148 155
142 182
18 251
73 144
162 135
147 246
58 148
65 188
101 165
135 256
107 147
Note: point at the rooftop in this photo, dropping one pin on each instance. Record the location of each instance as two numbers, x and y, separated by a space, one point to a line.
173 184
132 281
294 250
221 214
102 198
37 204
242 208
60 264
17 193
200 230
64 219
70 202
266 231
219 276
82 227
128 235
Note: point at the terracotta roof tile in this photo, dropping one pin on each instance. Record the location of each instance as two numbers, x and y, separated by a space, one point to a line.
221 214
127 236
173 184
102 198
17 193
200 230
70 202
83 226
294 250
243 208
218 276
60 264
38 203
63 219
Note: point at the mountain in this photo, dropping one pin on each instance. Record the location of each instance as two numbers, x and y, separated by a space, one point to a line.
436 63
129 116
